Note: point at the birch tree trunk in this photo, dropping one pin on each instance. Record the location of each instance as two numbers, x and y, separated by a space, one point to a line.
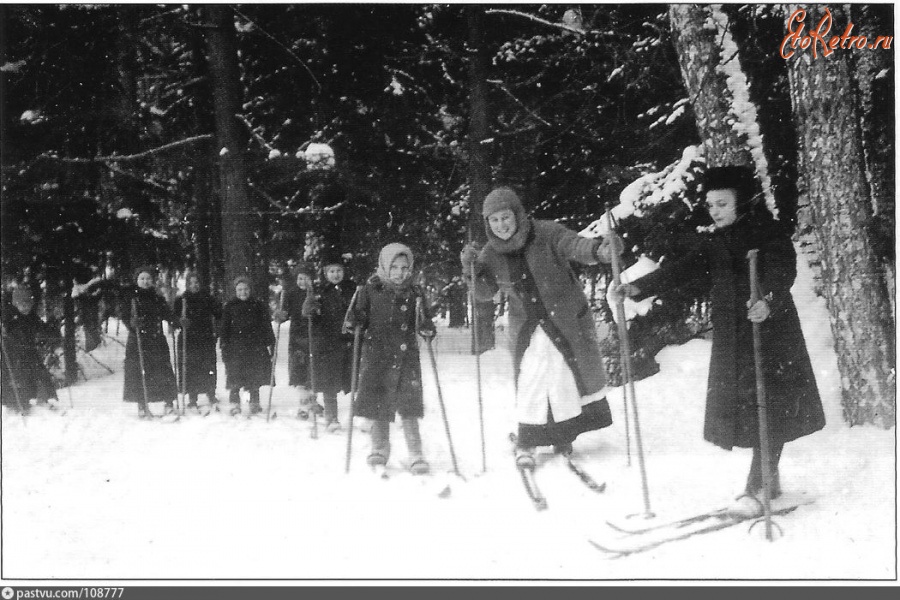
238 217
828 124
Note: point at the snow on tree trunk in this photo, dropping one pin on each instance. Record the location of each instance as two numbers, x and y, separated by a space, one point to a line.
238 217
694 33
828 124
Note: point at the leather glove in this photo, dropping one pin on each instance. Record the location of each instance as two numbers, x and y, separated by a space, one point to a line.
758 312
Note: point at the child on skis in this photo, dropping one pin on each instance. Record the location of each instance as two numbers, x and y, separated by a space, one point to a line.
24 375
196 313
298 337
390 379
332 349
143 311
559 377
247 343
794 410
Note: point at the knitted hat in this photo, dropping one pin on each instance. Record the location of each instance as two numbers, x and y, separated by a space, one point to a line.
504 198
242 279
145 269
22 294
500 199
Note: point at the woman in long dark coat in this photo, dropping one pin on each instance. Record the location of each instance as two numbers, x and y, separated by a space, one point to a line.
794 407
390 378
196 312
298 335
332 349
158 382
559 376
247 343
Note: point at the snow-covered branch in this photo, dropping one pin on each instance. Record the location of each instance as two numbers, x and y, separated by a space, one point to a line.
131 157
505 11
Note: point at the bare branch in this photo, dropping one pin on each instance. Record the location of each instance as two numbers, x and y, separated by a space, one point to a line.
282 46
504 11
503 87
131 157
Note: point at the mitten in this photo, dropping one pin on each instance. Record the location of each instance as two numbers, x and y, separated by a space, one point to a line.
468 256
280 316
311 306
427 333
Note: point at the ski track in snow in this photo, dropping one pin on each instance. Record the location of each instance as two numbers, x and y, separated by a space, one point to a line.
98 494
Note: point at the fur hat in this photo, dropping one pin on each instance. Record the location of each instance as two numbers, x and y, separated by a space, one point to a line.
741 179
331 257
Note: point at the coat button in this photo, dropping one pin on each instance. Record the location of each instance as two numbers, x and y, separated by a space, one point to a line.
404 327
403 347
403 307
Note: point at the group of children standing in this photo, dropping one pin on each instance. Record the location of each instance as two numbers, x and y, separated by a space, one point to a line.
558 372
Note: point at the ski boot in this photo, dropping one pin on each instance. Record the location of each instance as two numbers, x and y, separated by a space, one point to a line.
563 449
333 426
144 412
235 409
255 408
169 408
525 458
419 466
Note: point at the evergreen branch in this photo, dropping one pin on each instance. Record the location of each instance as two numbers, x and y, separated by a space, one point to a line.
130 157
503 11
280 45
503 87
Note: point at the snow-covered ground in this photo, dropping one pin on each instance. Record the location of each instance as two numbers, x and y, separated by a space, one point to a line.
98 494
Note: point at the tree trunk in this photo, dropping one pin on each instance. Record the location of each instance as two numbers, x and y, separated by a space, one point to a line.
238 217
828 123
7 227
694 34
203 169
479 158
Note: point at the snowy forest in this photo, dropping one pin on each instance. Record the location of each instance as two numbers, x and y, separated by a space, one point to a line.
243 139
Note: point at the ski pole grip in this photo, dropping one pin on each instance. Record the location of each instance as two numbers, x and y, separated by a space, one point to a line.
753 260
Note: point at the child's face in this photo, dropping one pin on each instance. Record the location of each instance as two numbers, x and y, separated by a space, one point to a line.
145 280
193 285
399 270
722 206
24 305
303 281
334 273
503 223
242 291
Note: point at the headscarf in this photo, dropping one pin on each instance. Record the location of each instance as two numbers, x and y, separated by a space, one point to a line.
500 199
387 256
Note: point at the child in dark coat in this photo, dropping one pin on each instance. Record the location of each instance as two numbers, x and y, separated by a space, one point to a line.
390 379
298 337
24 375
247 343
143 311
332 349
792 397
196 313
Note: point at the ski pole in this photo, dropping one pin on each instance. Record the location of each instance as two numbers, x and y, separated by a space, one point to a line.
184 335
275 354
437 384
314 432
761 404
476 347
625 351
137 332
175 367
624 363
354 372
12 376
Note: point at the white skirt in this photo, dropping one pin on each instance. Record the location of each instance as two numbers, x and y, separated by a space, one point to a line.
546 381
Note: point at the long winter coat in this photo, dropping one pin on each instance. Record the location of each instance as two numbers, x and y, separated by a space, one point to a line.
390 378
200 366
152 310
794 407
332 349
298 337
31 377
245 339
541 273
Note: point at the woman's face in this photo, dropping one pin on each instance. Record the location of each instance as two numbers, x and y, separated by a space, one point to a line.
722 206
399 269
193 285
334 273
144 280
303 281
503 223
242 291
